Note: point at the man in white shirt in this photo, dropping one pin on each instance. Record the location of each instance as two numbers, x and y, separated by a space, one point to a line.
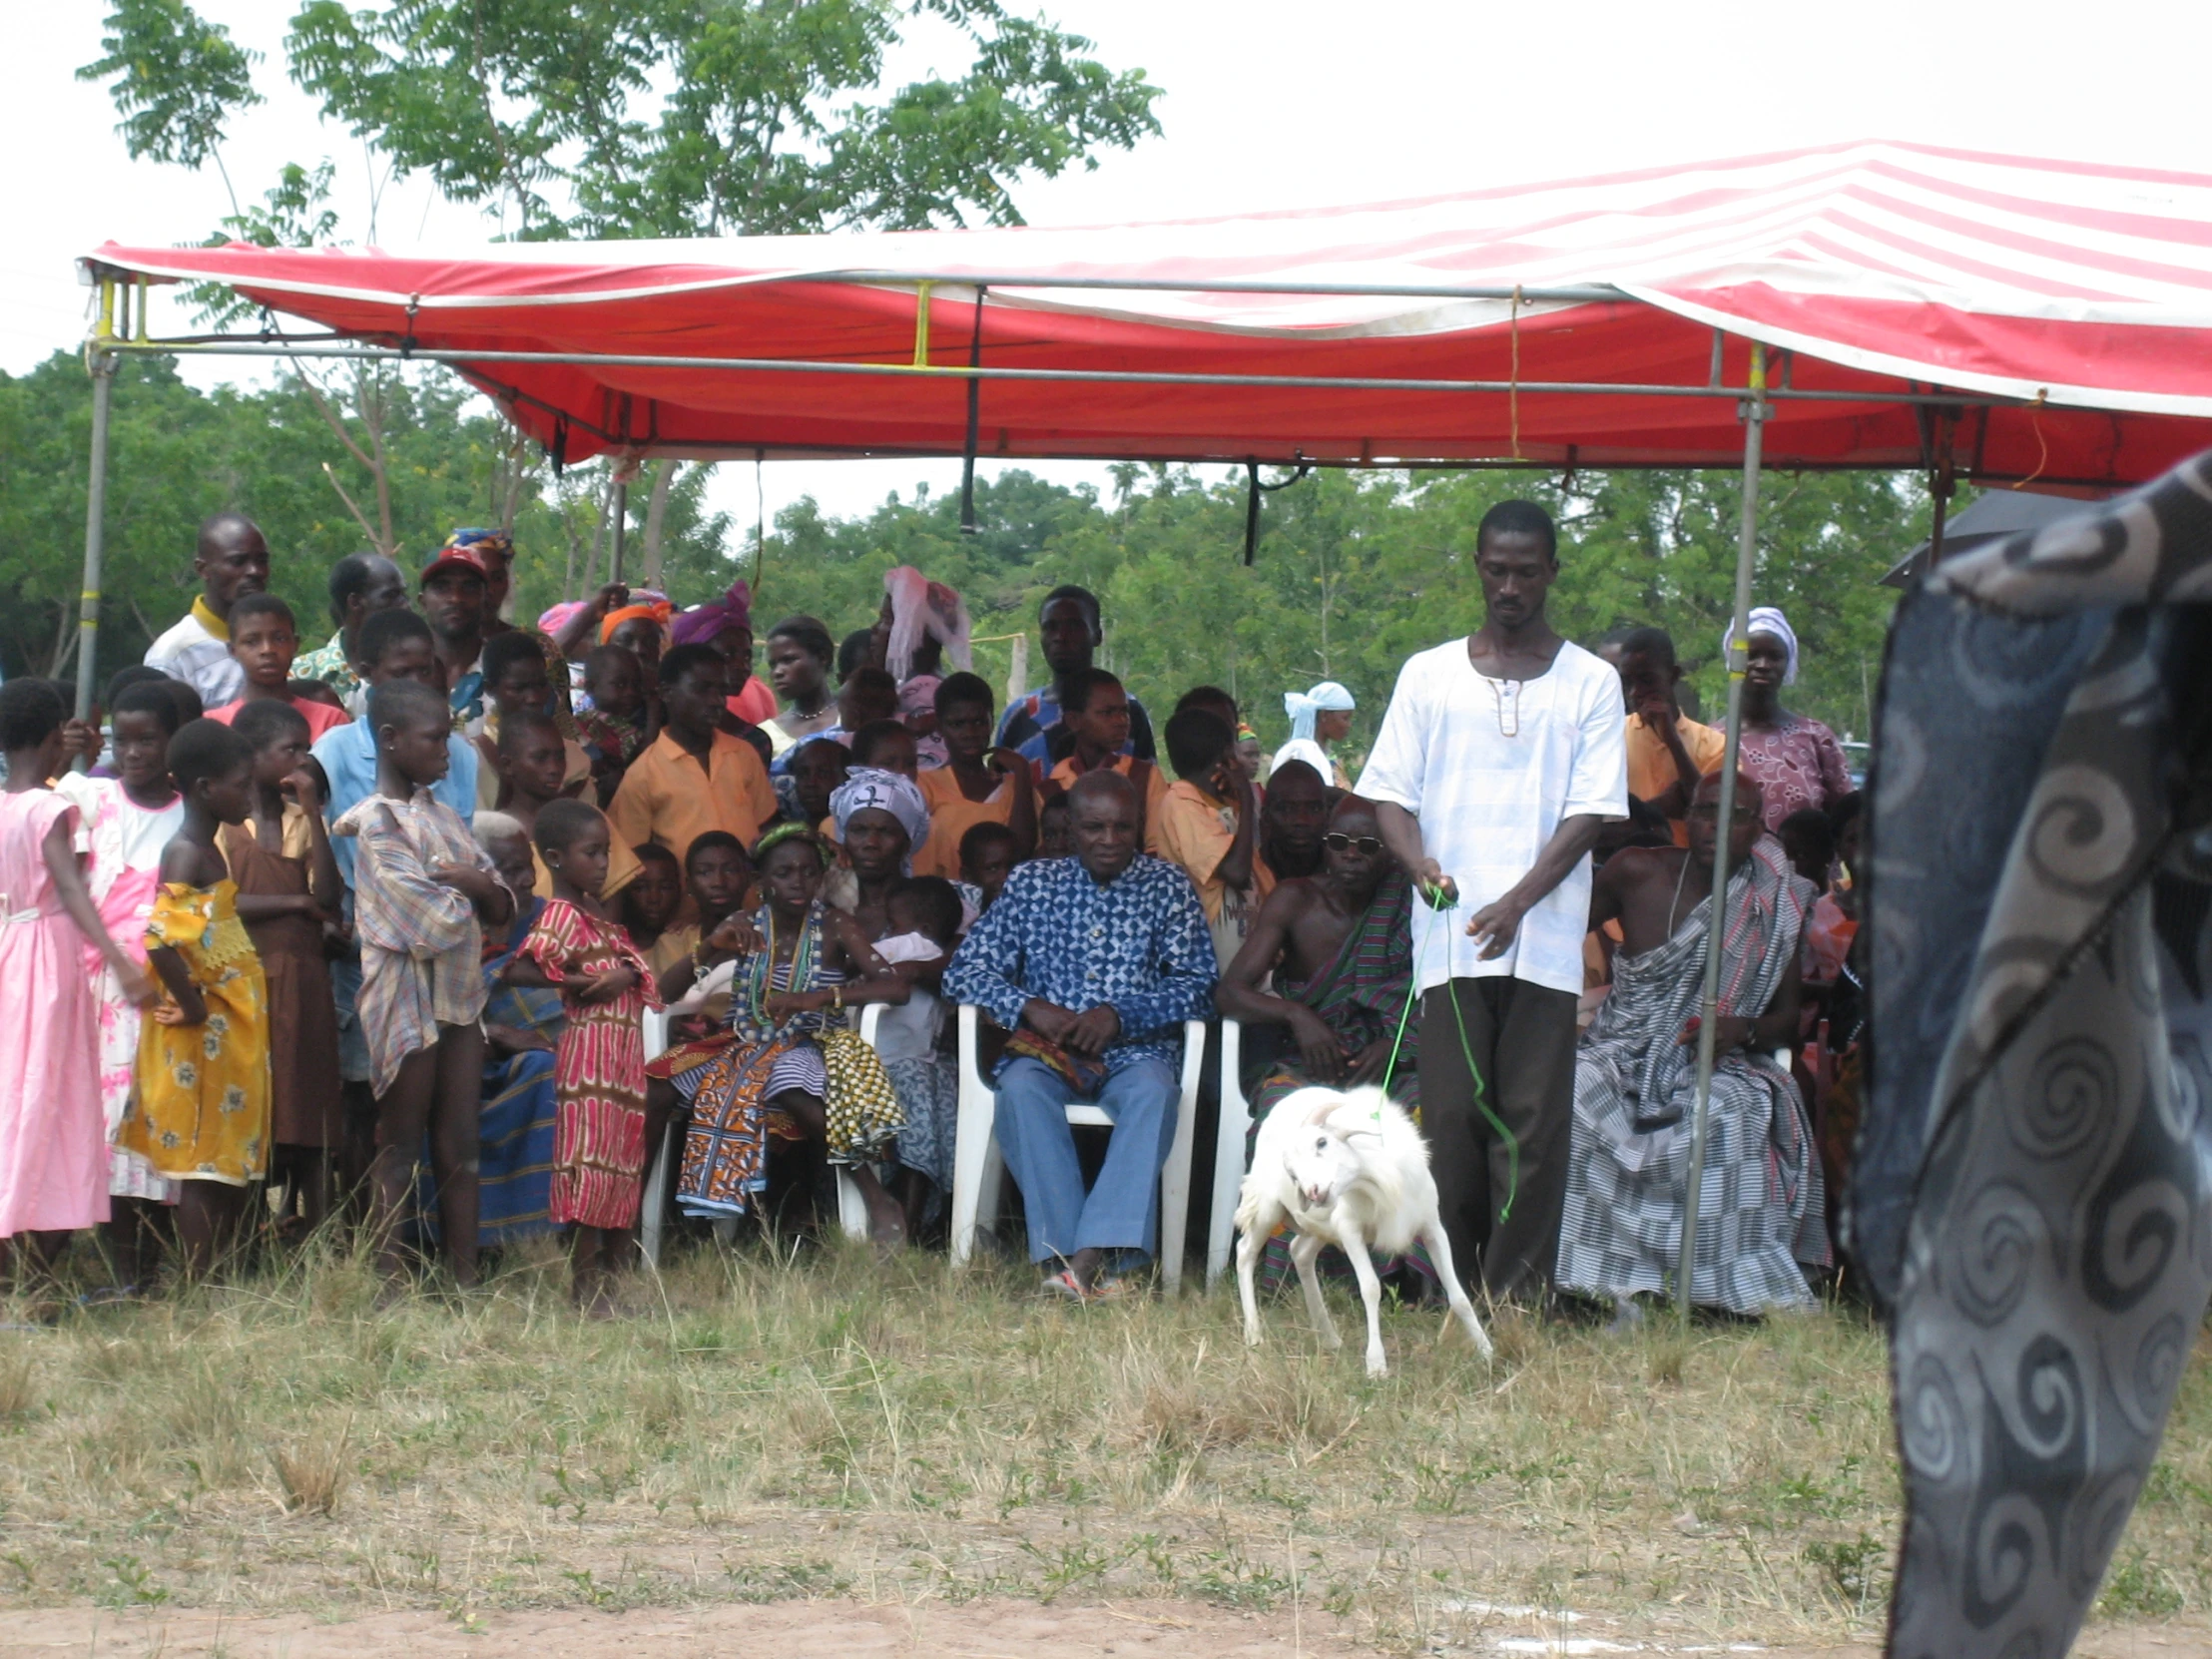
1499 757
231 561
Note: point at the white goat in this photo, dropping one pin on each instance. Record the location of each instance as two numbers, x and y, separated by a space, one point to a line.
1346 1169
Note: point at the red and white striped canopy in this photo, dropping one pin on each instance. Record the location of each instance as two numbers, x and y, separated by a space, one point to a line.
1874 270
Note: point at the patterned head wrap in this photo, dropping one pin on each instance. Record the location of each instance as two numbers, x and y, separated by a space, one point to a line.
703 624
783 833
1766 619
888 792
1301 707
486 543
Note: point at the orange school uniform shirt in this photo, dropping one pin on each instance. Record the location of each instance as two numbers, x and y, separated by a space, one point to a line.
1188 827
669 797
951 816
1651 770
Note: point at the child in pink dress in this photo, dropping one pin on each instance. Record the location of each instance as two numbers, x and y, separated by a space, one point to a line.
52 1137
127 820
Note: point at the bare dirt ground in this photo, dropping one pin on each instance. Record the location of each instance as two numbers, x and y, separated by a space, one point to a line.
989 1629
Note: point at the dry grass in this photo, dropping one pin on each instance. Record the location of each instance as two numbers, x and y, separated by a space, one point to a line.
835 1426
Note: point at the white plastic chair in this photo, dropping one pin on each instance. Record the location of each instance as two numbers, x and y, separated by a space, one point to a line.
661 1173
978 1166
662 1170
1229 1153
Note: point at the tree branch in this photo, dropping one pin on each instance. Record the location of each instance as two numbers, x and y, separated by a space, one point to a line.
330 472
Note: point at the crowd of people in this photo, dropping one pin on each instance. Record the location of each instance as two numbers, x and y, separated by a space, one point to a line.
440 928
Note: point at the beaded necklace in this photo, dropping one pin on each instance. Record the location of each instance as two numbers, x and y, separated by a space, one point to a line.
761 982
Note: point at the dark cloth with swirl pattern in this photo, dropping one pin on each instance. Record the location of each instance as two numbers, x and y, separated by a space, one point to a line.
2031 1202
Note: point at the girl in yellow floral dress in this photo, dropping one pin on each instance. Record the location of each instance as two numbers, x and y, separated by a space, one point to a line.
201 1112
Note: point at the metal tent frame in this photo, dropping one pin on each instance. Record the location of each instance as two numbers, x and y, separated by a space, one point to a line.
108 343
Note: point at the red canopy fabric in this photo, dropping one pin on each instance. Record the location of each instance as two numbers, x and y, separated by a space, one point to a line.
1879 268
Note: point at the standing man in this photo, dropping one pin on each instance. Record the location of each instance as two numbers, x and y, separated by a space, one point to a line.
1293 819
1667 751
453 588
231 561
497 551
361 584
1499 757
1069 627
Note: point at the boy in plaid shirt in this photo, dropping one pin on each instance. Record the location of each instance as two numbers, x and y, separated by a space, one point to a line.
421 888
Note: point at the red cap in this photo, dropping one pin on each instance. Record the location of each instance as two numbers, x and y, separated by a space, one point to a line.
457 558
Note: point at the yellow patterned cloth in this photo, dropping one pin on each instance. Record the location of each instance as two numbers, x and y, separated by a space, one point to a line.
200 1112
861 1108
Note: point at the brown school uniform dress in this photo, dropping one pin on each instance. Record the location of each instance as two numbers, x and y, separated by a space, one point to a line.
306 1106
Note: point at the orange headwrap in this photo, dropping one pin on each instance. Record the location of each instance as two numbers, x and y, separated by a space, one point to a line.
658 612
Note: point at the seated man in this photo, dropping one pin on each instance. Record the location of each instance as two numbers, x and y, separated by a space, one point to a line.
1340 946
1093 963
1635 1080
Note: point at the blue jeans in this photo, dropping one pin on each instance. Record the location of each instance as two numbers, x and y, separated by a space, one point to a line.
1122 1209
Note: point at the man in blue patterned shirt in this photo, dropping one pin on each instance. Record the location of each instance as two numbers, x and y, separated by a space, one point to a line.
1093 963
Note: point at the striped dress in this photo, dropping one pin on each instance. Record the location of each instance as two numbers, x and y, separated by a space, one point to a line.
599 1073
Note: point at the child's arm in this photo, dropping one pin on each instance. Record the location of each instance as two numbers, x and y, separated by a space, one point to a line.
190 1007
423 915
59 850
323 879
481 888
1022 821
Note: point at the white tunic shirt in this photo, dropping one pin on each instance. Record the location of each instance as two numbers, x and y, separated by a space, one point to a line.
1490 768
192 652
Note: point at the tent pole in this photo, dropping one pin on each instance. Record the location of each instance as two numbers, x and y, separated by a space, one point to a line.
1738 649
102 363
1943 479
621 524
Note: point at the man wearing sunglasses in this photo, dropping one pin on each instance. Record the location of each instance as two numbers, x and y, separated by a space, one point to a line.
1340 956
1498 758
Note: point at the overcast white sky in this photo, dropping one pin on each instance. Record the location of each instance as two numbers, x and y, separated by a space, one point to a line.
1267 106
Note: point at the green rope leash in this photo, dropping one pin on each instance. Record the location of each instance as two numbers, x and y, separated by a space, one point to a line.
1439 901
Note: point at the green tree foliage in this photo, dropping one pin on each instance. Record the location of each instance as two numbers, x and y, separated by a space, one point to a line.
673 118
175 78
176 456
654 118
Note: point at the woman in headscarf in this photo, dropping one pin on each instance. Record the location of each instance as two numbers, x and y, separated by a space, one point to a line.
1795 759
726 625
882 821
1318 718
788 1067
641 627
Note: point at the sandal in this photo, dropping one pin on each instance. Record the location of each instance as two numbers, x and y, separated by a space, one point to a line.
1062 1285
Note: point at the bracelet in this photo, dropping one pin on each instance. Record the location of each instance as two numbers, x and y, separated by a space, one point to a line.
836 999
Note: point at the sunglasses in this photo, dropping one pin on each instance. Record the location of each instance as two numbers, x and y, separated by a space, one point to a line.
1337 842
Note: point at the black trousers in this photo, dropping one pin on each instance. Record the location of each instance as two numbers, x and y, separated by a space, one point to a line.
1522 1037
